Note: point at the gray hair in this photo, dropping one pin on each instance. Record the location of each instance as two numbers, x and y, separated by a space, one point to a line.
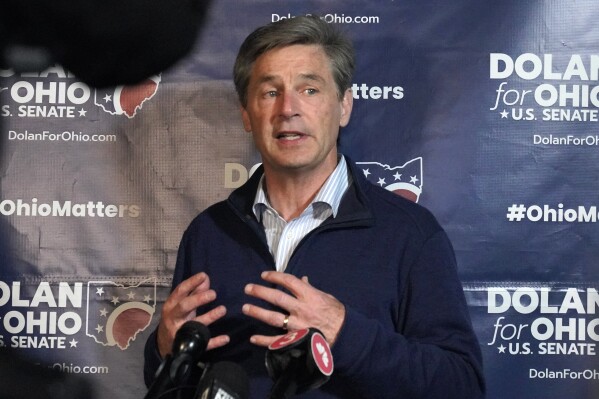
286 32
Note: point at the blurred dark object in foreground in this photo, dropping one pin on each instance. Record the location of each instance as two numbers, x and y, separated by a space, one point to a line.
102 42
20 379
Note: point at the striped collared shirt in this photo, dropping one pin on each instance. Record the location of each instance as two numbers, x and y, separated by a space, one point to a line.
283 237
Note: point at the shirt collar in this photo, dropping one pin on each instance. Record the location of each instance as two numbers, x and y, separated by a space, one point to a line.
330 193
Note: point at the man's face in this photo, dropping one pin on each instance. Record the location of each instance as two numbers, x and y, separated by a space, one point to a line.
293 110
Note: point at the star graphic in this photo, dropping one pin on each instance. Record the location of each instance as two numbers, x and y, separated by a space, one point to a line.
131 295
99 291
147 298
73 343
504 114
501 348
366 172
381 181
397 176
103 312
82 112
413 179
115 300
107 98
99 328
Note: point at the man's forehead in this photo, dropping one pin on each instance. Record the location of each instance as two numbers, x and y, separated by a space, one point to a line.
309 61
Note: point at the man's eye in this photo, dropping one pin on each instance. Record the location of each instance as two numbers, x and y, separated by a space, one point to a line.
311 91
271 93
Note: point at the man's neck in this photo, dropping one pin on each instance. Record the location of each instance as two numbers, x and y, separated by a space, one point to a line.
290 194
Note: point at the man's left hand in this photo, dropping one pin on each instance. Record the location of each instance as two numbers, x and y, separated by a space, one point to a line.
306 307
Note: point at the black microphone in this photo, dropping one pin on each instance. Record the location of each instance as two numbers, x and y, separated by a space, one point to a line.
21 378
189 344
224 380
298 362
102 42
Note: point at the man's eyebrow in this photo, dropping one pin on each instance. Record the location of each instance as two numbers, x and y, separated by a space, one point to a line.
266 79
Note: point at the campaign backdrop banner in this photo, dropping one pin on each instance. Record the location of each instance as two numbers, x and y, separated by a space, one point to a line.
485 113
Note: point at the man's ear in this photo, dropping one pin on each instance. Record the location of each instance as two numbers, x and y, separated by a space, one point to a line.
247 126
347 104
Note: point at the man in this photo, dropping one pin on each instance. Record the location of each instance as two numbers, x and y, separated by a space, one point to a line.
308 242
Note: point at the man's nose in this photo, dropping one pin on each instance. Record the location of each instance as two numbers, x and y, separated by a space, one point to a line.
289 104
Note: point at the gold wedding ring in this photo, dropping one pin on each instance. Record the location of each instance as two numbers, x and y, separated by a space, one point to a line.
285 322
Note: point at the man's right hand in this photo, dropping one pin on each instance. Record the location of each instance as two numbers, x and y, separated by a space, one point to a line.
181 306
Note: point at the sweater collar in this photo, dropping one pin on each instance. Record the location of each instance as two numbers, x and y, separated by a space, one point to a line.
329 196
354 207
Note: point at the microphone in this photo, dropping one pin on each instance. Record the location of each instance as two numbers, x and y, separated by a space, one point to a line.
103 42
224 380
189 344
298 362
21 378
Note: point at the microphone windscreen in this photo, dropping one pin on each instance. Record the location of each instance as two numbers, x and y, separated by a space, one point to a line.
102 42
21 378
192 337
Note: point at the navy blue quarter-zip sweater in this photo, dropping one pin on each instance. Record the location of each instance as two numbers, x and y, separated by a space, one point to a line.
407 331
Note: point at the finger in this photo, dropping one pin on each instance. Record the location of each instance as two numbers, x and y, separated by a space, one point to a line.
263 340
204 286
217 342
296 286
189 304
272 295
212 315
275 319
190 285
